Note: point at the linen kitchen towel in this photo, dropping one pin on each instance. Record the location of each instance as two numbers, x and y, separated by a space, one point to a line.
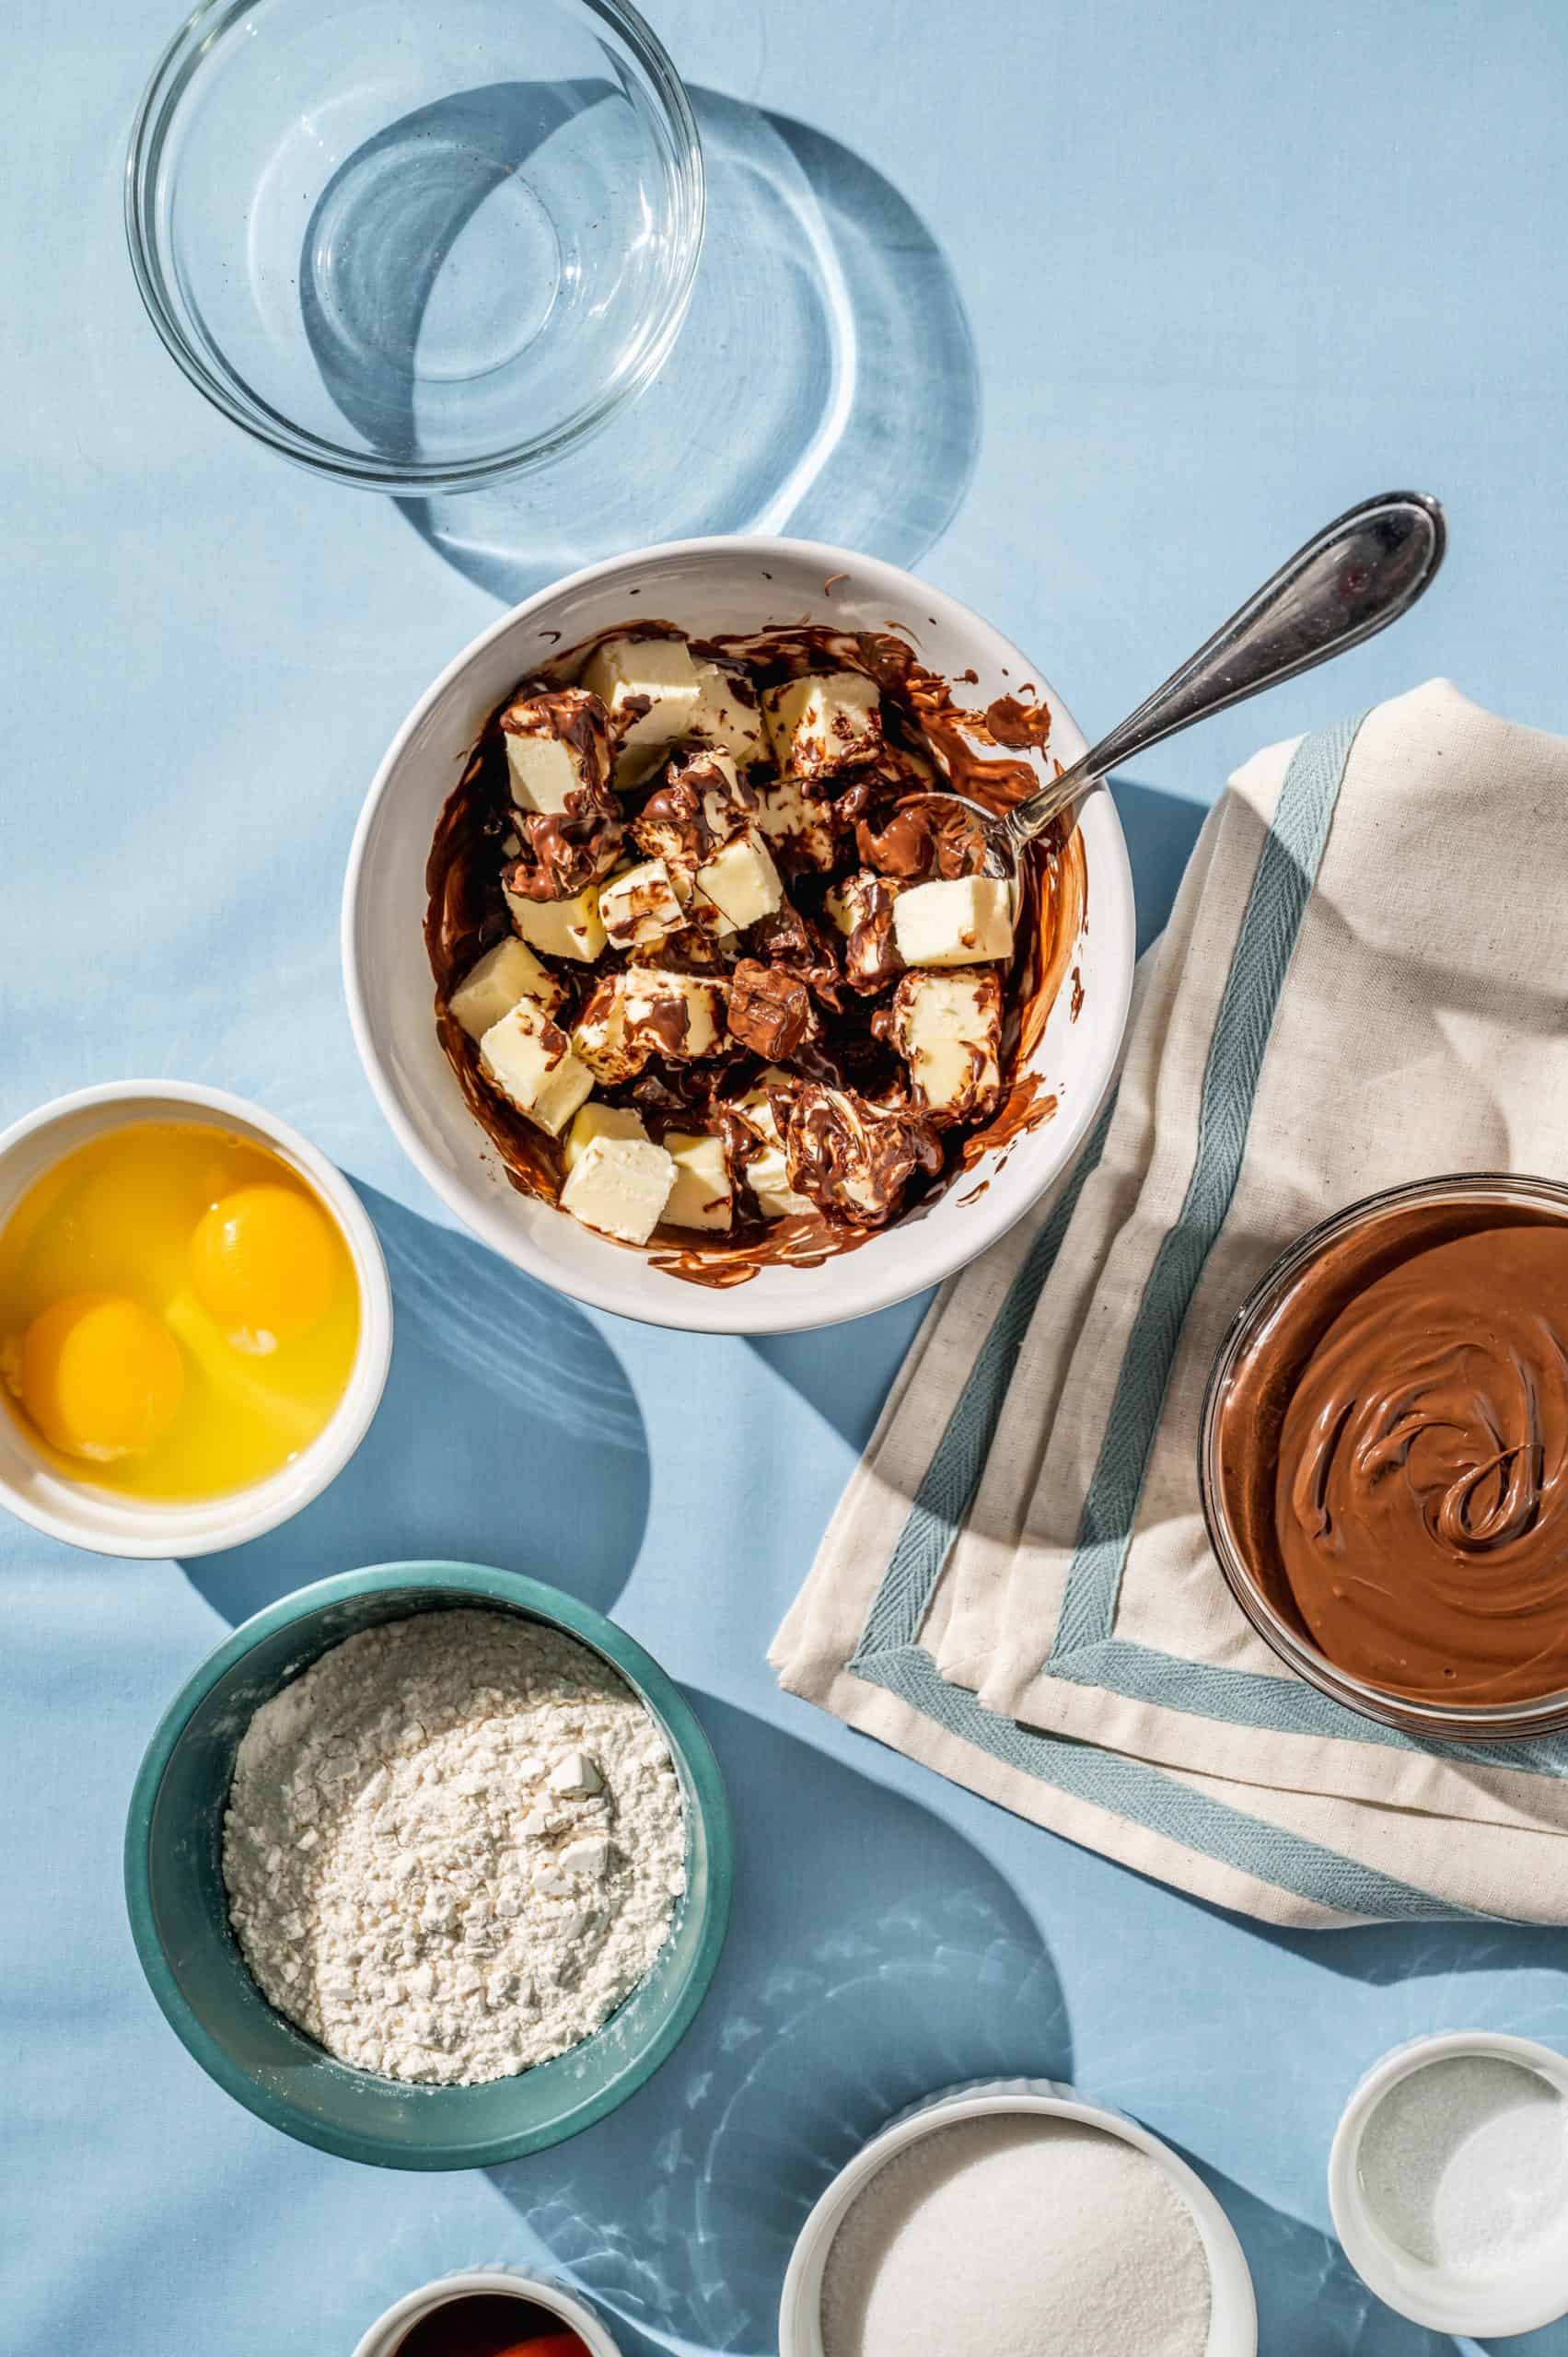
1364 981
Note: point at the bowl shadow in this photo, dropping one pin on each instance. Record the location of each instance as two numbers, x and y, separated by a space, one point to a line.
824 384
892 1962
380 239
498 1389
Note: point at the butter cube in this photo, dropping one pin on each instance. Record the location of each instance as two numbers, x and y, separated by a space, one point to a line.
620 1186
788 820
639 906
648 687
728 712
700 911
557 745
741 881
529 1060
600 1040
767 1174
571 928
703 1193
492 987
948 1028
825 722
681 1015
598 1120
643 1010
862 908
956 922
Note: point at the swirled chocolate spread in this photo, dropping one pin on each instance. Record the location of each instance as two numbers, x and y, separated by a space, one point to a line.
1414 1406
714 969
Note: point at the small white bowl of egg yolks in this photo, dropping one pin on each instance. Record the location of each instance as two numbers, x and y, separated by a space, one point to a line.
196 1319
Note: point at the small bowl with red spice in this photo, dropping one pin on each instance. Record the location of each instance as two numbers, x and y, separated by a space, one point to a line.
668 974
489 2312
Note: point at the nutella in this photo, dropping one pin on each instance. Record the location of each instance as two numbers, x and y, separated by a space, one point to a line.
1394 1451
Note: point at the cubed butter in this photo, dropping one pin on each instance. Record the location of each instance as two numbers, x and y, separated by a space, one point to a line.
681 1015
741 881
648 686
948 1027
557 744
727 714
600 1040
960 921
492 987
788 820
571 928
645 1010
767 1173
620 1186
704 1192
699 909
529 1060
825 722
638 907
598 1120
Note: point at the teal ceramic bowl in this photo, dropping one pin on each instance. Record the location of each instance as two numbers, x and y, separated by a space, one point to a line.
179 1916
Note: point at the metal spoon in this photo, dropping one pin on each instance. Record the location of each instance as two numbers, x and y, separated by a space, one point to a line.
1358 575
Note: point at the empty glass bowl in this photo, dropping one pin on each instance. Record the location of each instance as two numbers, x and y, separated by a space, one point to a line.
416 249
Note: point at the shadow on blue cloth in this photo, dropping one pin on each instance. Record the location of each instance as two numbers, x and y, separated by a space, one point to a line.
1161 830
824 384
886 1962
500 1393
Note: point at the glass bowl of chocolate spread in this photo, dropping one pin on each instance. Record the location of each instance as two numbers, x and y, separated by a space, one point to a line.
1384 1457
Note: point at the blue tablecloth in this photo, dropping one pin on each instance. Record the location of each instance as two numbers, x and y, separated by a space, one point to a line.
1223 271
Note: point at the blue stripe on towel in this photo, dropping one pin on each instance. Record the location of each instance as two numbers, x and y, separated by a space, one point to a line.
1148 1796
1281 885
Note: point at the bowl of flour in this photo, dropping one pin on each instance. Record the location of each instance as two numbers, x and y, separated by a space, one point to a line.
429 1865
1012 2219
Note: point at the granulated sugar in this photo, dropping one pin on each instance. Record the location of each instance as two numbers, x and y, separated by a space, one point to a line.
1465 2164
1018 2235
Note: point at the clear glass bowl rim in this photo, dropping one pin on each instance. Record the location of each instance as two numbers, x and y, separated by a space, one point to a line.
173 76
1488 1722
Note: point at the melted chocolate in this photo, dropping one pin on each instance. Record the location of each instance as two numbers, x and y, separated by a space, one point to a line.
1394 1452
931 740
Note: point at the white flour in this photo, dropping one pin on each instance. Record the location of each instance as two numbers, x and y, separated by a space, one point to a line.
452 1847
1015 2236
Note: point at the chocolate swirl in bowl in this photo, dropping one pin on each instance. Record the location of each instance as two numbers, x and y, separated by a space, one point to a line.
1388 1448
1422 1505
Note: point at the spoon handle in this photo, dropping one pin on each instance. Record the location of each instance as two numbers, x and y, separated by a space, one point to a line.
1350 581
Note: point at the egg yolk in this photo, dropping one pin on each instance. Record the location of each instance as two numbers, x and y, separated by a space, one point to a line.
100 1376
264 1266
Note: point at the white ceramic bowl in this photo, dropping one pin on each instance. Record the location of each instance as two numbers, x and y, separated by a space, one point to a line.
1516 2298
384 2335
1233 2317
705 585
102 1519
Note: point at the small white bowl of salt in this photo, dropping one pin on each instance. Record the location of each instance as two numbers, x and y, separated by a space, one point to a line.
1011 2219
1448 2182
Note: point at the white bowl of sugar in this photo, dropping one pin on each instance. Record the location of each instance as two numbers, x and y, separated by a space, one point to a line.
1012 2215
1448 2182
